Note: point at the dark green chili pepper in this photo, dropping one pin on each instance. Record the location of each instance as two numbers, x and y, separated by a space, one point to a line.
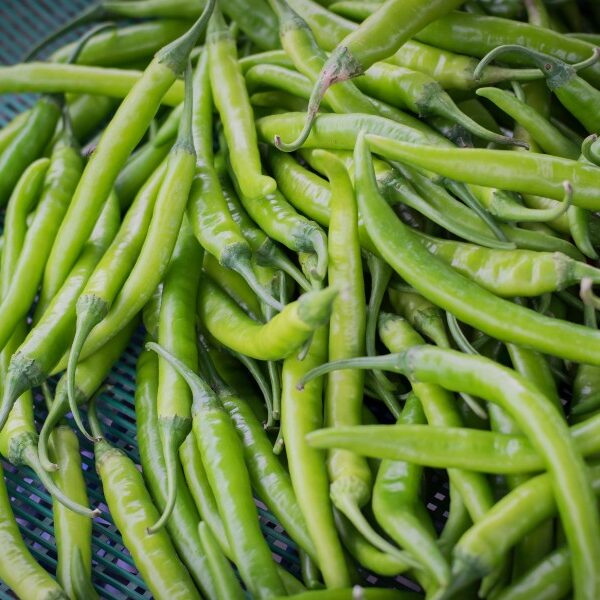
231 99
586 390
28 144
89 376
357 592
125 45
221 453
18 569
118 140
182 524
133 512
11 129
274 340
177 333
398 510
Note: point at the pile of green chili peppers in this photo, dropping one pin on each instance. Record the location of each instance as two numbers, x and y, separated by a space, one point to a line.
360 239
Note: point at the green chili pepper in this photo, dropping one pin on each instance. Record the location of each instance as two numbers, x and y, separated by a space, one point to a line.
274 340
537 419
211 221
118 140
73 532
28 144
398 510
267 475
266 252
231 99
221 454
486 33
133 512
377 38
11 129
578 96
440 410
150 264
357 592
256 20
125 45
300 414
89 376
182 524
18 569
49 339
177 332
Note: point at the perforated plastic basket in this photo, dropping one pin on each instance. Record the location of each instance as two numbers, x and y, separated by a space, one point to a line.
22 23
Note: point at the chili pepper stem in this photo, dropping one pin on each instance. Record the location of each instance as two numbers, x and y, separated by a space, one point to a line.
243 266
173 432
319 243
586 293
346 504
22 375
24 451
90 311
443 105
284 264
340 66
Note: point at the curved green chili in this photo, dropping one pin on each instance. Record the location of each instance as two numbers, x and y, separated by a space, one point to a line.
278 338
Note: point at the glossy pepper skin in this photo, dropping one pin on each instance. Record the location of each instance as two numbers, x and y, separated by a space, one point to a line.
133 512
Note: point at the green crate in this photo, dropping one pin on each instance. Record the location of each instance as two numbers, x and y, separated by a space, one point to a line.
22 23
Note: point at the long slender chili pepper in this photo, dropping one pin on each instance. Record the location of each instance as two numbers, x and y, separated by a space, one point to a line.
151 262
451 30
349 474
11 129
73 532
440 409
302 412
18 568
586 390
182 524
177 333
256 20
232 102
221 453
120 137
578 96
267 475
125 45
358 51
300 45
398 510
481 376
226 583
525 169
132 509
58 78
274 340
207 210
435 281
28 144
357 592
88 378
49 339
